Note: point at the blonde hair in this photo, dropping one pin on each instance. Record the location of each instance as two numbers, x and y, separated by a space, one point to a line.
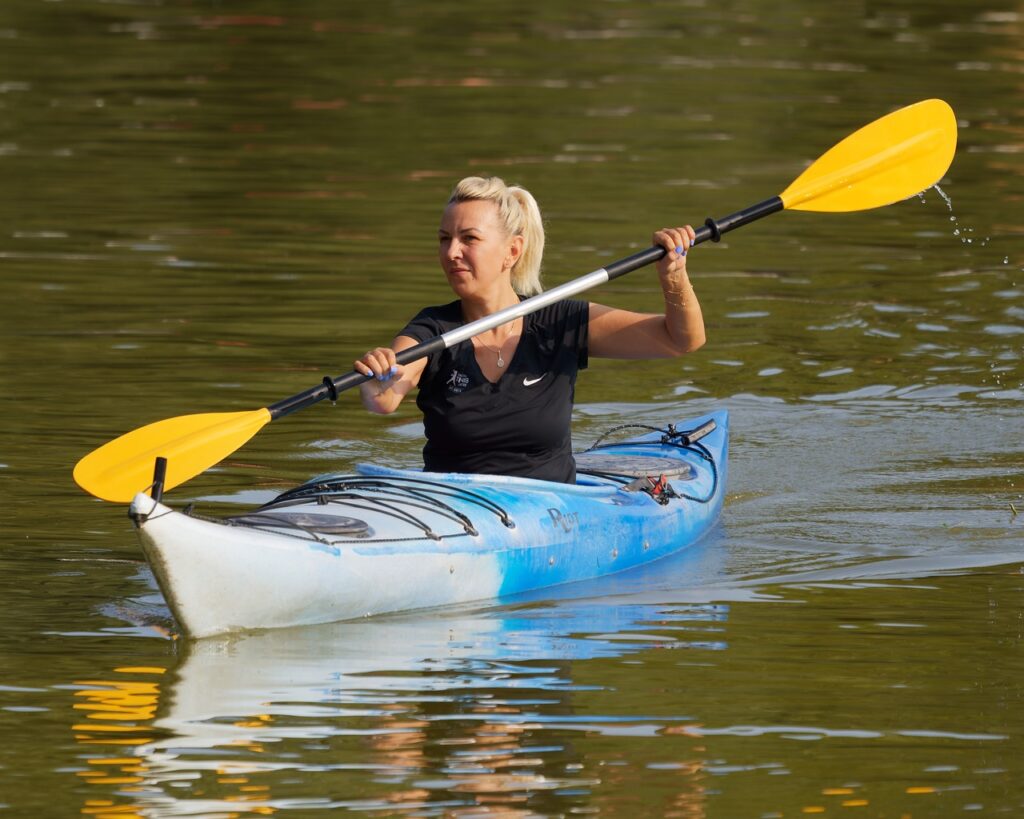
519 215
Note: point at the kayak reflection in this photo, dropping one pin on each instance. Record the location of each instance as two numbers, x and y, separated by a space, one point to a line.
459 710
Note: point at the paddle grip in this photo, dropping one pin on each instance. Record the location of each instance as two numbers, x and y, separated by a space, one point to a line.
712 229
330 387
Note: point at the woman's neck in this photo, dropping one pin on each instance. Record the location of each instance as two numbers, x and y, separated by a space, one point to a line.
477 308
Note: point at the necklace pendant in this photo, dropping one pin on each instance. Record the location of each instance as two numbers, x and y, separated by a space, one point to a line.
501 361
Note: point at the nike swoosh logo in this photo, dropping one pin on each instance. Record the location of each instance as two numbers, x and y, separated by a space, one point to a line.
529 382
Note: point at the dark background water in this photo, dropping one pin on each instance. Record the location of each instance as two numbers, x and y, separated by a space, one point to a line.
210 205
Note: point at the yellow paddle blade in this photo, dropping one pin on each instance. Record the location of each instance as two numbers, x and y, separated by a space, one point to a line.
889 160
119 470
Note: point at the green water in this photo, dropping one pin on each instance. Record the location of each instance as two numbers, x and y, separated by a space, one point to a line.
209 206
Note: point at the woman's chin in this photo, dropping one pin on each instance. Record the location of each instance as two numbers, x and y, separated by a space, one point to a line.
461 285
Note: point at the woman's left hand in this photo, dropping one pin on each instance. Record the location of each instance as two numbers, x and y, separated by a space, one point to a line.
676 241
618 333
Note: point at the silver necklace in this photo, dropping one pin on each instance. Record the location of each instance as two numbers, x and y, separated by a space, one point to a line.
501 360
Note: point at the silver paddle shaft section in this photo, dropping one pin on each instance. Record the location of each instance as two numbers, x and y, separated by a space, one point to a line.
524 308
535 303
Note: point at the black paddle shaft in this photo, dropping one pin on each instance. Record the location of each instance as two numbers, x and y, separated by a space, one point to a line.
712 229
330 387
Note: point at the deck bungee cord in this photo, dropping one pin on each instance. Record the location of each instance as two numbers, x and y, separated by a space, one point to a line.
395 496
392 497
688 440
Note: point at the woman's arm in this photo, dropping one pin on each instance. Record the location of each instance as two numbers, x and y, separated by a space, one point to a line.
616 333
391 382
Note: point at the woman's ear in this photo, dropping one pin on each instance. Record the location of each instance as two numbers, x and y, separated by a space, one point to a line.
515 250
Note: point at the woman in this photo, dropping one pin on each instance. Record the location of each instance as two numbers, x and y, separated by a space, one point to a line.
503 403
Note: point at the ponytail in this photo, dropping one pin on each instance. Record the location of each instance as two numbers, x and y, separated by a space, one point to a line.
519 215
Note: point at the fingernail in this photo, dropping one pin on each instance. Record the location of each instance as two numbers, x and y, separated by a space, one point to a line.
681 250
394 370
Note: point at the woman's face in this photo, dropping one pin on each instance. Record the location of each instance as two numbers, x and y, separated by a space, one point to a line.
475 253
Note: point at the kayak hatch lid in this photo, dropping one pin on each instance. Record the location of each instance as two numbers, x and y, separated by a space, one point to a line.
308 521
632 466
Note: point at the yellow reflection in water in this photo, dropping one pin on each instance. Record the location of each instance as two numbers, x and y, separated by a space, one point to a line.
121 712
118 713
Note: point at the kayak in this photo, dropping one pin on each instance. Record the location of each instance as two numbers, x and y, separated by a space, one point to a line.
346 546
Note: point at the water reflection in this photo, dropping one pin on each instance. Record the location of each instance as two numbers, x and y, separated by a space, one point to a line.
457 714
117 720
625 705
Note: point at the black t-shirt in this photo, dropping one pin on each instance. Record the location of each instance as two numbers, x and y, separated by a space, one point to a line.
519 425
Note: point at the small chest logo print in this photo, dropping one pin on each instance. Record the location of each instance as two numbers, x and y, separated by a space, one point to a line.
457 382
529 382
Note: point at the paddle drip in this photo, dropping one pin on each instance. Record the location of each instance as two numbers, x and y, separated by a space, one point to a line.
958 232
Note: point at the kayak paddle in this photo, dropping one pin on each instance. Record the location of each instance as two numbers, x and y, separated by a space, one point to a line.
891 159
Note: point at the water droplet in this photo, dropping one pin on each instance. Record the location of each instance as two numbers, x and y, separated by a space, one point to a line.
942 193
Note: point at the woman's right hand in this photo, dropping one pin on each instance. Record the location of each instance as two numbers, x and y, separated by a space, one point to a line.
384 387
388 382
380 363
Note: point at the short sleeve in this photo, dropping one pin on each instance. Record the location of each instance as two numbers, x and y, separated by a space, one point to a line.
577 330
422 326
